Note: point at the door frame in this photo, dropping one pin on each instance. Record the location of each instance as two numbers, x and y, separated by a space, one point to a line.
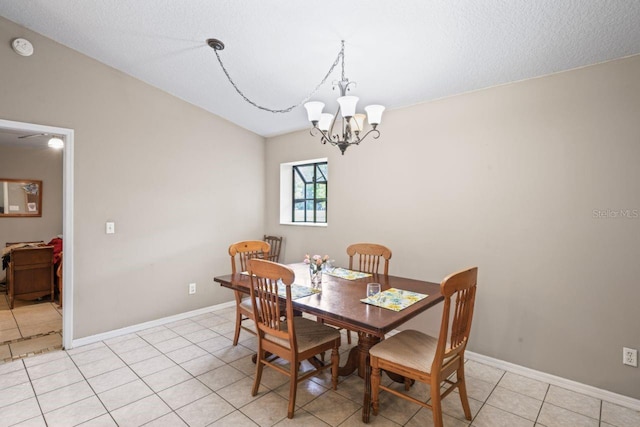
67 217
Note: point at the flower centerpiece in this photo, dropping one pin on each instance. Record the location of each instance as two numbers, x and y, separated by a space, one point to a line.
316 264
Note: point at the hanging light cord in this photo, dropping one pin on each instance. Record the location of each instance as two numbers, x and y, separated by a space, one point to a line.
285 110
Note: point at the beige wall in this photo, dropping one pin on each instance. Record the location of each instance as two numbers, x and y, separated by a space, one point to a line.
508 179
165 171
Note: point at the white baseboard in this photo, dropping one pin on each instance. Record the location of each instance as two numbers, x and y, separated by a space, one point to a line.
146 325
618 399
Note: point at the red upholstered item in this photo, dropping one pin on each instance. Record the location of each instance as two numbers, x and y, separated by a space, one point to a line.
56 242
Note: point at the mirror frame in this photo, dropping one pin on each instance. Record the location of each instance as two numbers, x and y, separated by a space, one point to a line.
38 199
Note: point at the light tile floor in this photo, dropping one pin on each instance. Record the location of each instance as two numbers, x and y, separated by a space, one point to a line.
187 373
32 327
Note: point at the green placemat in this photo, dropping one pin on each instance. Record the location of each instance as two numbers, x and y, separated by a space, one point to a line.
343 273
297 291
394 299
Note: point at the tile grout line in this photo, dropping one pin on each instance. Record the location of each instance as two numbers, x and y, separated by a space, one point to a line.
485 401
91 387
177 364
35 395
544 398
142 379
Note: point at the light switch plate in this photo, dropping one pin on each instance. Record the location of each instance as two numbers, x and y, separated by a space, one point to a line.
111 227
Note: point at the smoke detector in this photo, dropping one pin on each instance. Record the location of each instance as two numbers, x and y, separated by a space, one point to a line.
22 47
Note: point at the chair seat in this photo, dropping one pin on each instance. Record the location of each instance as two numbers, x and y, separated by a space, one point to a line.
409 348
247 305
309 334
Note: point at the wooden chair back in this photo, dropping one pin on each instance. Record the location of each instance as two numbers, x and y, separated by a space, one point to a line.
454 332
275 242
369 255
277 338
246 250
409 352
265 276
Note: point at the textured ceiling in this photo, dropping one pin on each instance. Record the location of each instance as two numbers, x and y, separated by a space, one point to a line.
399 52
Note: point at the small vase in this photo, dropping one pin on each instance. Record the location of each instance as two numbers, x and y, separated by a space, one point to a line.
316 278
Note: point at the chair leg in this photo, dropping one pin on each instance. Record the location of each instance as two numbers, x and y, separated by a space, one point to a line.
407 383
236 335
348 336
375 386
462 390
436 404
335 365
293 388
259 367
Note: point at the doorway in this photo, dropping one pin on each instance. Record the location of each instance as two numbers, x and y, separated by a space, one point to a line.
67 213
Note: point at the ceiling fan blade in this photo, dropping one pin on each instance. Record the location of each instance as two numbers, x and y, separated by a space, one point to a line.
33 136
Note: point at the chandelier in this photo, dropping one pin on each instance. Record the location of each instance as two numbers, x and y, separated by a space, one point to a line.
349 129
343 133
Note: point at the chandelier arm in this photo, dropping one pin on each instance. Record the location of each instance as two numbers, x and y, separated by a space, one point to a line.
326 136
376 135
288 109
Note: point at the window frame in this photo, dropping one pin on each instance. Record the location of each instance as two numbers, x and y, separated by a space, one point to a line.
296 172
287 193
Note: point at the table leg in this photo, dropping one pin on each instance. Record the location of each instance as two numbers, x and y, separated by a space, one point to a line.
359 356
366 402
359 360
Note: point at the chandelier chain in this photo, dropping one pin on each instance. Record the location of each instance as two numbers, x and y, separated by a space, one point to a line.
288 109
342 54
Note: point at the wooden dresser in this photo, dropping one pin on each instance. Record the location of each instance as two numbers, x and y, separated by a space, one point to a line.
30 273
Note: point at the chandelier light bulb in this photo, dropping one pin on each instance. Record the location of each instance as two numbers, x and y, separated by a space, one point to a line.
314 110
325 121
374 113
357 122
348 105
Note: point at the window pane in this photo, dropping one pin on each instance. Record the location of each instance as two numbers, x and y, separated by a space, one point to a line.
321 191
309 193
307 172
298 187
298 212
321 212
310 211
322 172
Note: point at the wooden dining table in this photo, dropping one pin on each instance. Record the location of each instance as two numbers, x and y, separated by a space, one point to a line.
339 304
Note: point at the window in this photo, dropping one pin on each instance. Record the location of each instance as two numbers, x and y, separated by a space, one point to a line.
303 192
309 192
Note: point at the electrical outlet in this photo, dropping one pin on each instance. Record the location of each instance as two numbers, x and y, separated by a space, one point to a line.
192 288
630 356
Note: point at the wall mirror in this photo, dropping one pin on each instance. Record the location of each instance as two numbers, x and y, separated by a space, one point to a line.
20 198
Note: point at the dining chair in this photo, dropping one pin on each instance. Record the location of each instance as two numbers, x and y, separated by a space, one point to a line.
244 251
421 357
276 243
368 261
283 335
368 257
